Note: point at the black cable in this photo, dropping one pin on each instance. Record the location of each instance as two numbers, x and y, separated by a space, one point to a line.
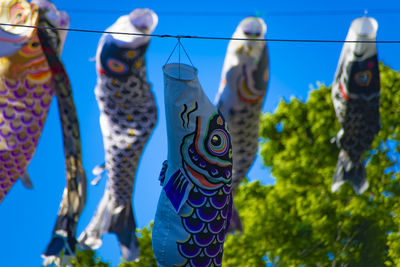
207 37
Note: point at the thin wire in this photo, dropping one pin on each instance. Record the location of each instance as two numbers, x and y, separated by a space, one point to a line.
170 55
207 37
234 14
179 58
184 50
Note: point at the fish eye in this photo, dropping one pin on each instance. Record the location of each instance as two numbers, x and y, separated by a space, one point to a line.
116 66
218 142
250 33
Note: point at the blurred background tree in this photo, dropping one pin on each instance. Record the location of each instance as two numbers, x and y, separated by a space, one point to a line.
298 221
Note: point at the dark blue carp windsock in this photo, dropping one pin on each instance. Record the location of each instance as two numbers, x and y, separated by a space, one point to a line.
195 205
128 114
241 96
355 95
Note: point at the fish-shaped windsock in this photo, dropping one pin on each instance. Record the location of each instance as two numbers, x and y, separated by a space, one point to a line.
128 114
26 90
74 197
241 95
355 95
16 13
195 204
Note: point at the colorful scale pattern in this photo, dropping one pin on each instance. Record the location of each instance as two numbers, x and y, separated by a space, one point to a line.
210 199
26 91
207 224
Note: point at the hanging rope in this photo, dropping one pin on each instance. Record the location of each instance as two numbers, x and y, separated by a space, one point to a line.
179 45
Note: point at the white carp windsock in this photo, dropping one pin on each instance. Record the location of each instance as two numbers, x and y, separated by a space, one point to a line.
241 95
128 114
355 95
195 204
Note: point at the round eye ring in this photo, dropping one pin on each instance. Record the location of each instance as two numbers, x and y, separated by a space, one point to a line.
116 66
218 143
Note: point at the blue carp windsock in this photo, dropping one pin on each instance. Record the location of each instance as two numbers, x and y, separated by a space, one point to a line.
355 95
195 204
241 95
26 90
128 114
63 240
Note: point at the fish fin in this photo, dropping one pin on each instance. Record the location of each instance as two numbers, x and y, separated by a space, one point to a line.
26 181
99 171
58 243
235 224
123 225
111 219
177 189
353 172
163 171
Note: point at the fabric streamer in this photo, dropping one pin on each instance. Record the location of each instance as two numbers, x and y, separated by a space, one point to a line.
128 114
355 95
74 197
195 204
241 95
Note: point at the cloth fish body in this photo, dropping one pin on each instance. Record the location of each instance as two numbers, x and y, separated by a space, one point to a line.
26 91
241 95
355 95
128 114
195 204
63 240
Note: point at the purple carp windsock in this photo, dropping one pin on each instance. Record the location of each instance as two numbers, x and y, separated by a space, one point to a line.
355 95
74 197
241 95
26 90
195 204
128 114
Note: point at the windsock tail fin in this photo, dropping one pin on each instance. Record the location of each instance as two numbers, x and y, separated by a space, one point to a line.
59 251
235 223
26 181
124 227
112 219
99 171
353 172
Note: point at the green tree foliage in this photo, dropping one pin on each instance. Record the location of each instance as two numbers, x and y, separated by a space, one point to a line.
298 221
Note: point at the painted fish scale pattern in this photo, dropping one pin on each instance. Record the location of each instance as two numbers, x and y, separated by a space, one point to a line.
208 223
243 126
130 109
360 121
26 90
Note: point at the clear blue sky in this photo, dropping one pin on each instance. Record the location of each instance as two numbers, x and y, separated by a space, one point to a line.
27 217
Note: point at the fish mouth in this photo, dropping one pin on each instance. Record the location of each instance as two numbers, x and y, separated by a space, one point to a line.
253 27
144 19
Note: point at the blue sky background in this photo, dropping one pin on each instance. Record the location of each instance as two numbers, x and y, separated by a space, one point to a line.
28 216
